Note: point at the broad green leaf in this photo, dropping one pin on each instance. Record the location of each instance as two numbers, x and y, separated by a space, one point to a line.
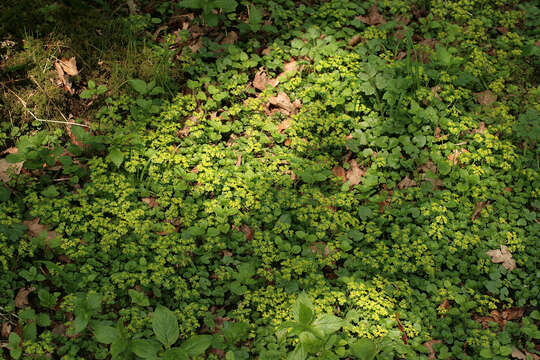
138 85
328 323
94 301
105 334
191 4
299 353
196 345
364 349
79 324
226 5
419 140
14 158
302 310
146 349
116 157
91 84
174 354
165 325
86 94
43 320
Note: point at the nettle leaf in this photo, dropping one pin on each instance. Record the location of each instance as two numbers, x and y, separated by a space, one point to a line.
196 345
105 334
328 323
146 349
139 86
364 349
165 325
116 157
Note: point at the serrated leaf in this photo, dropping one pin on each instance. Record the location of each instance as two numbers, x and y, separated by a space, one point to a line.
116 157
328 323
105 334
196 345
138 85
165 325
146 349
364 349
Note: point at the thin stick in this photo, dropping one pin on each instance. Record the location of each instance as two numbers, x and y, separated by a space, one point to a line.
44 120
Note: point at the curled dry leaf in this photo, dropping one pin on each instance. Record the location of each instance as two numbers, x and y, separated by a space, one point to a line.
486 97
248 231
517 354
282 101
35 229
6 330
355 173
21 299
479 207
150 201
261 80
63 78
406 182
437 133
374 17
231 38
502 256
445 304
339 171
69 66
239 159
7 169
454 156
284 125
429 344
355 39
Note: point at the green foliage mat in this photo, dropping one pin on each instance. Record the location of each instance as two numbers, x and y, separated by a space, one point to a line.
343 173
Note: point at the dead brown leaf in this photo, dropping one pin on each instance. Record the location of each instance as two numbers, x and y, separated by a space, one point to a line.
374 17
21 299
513 313
445 304
486 97
339 171
282 101
7 169
11 150
261 80
429 344
63 78
502 256
227 253
481 129
517 354
290 66
6 330
239 159
435 92
320 248
150 201
454 156
437 133
248 232
479 207
406 182
69 66
284 125
355 40
231 38
35 229
355 173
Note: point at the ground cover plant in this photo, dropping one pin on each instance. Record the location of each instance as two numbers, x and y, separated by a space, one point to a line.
269 179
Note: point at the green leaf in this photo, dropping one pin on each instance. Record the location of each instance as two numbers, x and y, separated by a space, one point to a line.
191 4
299 353
94 301
226 5
486 353
146 349
302 310
43 320
174 354
4 193
138 297
30 331
165 325
91 84
364 349
104 334
328 323
116 157
196 345
138 85
50 192
419 140
14 158
86 94
79 324
255 17
101 89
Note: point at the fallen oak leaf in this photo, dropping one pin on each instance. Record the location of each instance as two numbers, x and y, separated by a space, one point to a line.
406 182
282 101
150 201
21 299
429 344
248 232
261 80
355 173
503 256
284 125
374 17
7 169
486 97
69 66
355 40
64 78
517 354
479 207
35 229
339 171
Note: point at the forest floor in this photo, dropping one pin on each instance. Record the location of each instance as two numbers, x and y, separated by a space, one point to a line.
269 179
